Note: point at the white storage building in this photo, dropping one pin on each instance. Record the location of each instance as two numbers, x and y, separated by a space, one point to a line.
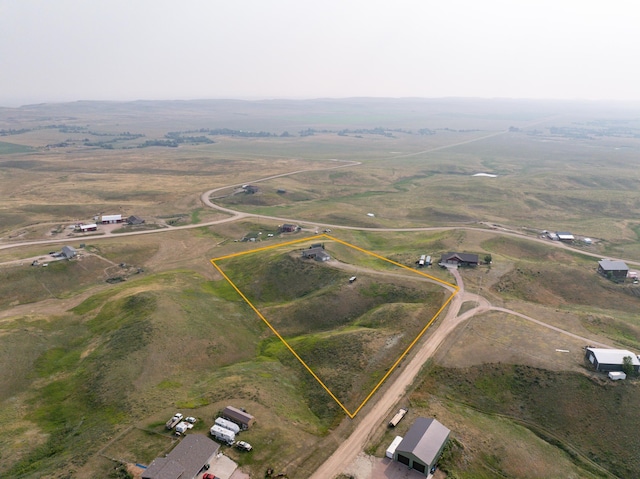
392 447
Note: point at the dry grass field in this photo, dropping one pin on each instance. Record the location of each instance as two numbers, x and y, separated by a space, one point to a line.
92 368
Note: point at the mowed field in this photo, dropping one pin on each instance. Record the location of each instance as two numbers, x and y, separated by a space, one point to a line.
94 368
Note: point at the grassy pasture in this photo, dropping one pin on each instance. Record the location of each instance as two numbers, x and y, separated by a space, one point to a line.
179 337
348 334
537 399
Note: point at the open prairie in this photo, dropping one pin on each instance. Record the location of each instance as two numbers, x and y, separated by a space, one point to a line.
97 352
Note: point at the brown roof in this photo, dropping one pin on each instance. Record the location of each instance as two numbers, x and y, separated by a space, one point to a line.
237 415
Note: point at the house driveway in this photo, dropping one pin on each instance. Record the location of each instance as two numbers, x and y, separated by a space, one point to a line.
369 467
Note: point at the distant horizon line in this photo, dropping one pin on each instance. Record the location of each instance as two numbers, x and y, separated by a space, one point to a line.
27 103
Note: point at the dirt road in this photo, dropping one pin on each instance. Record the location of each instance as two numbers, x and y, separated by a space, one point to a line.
356 442
348 451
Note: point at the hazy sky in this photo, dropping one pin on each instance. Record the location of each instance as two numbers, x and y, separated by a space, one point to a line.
60 50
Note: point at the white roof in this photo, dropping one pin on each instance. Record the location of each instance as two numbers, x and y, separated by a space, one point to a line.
90 225
613 356
111 217
564 235
392 447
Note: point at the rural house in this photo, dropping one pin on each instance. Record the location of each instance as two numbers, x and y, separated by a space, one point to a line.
288 228
460 259
185 461
616 270
610 359
316 252
69 252
422 445
240 417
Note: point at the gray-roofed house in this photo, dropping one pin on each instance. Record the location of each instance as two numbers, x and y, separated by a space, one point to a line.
185 461
240 417
613 269
69 252
604 359
422 445
460 259
316 252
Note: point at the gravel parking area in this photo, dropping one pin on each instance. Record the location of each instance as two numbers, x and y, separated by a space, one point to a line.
369 467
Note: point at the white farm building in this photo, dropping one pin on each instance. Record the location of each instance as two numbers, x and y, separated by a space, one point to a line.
610 359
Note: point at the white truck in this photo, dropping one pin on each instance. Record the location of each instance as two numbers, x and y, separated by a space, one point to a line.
398 417
222 434
171 423
232 426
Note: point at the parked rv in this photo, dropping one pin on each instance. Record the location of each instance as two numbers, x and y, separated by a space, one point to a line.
231 426
398 417
222 434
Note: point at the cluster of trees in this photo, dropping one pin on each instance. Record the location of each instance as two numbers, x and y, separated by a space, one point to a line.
590 133
180 138
226 132
12 131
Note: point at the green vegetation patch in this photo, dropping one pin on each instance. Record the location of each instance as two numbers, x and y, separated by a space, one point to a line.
279 278
9 148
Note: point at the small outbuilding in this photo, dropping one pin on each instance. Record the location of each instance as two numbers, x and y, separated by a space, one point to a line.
69 252
611 359
422 445
613 269
565 236
135 220
185 461
460 259
240 417
393 446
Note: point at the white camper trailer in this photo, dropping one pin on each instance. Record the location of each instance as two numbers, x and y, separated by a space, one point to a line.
222 434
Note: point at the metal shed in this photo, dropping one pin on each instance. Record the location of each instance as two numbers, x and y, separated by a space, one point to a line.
611 359
422 445
240 417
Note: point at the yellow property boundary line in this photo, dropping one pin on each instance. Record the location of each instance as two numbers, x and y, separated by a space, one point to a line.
288 346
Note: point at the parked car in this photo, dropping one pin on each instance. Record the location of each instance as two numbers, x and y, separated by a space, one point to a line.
190 419
244 446
208 475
